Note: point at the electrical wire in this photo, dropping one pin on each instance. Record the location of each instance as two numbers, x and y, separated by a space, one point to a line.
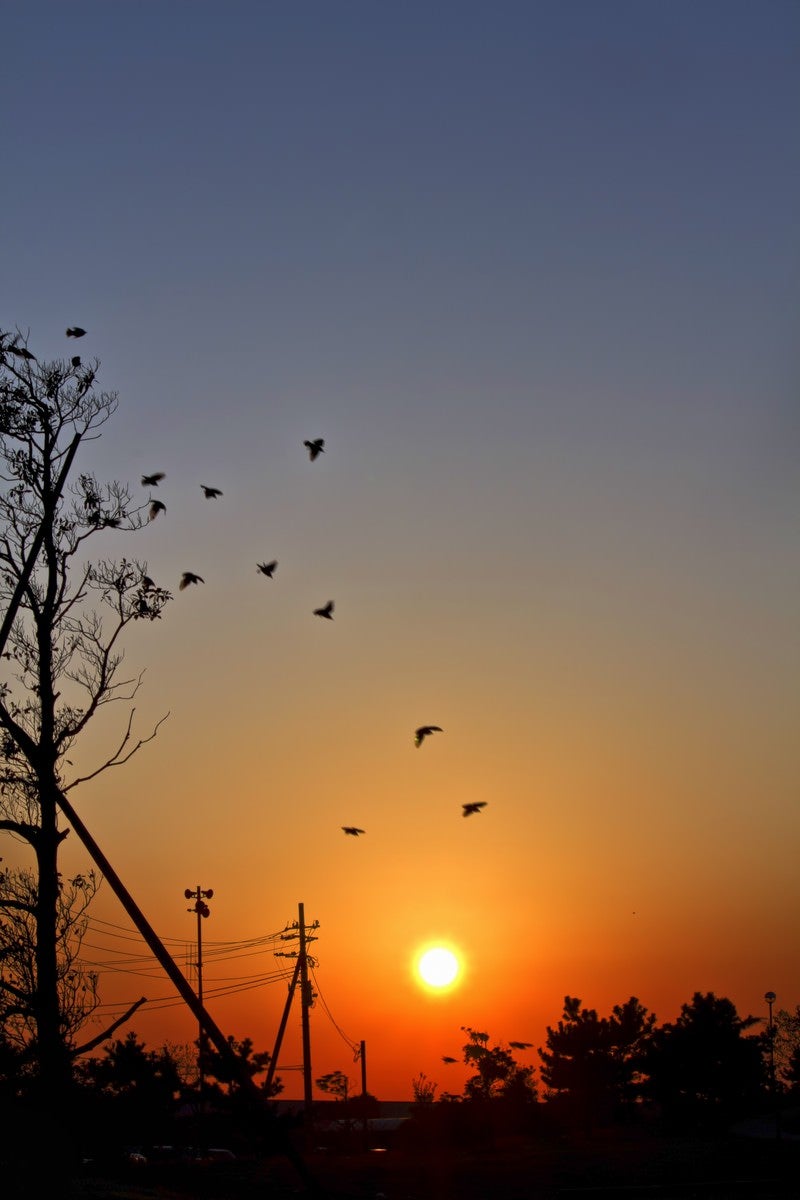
107 957
354 1046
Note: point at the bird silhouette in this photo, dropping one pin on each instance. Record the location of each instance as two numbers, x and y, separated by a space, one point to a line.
315 448
76 360
352 830
423 731
210 492
447 1059
520 1045
75 331
325 611
469 809
153 480
147 583
267 568
156 506
187 578
21 352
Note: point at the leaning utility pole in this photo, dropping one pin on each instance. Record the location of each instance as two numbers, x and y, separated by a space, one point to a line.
273 1062
160 952
157 948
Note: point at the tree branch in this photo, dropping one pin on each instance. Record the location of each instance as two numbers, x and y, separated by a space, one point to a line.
101 1037
118 759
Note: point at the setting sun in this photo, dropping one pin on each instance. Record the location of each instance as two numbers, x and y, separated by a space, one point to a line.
438 967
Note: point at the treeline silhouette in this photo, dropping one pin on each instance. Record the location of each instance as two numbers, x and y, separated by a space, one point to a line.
695 1075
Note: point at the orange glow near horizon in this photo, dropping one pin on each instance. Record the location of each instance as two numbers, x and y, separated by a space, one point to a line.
555 509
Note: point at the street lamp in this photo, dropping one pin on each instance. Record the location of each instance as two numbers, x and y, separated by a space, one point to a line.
770 998
201 908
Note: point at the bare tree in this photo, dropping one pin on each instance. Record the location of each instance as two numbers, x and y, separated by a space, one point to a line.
424 1090
60 644
77 986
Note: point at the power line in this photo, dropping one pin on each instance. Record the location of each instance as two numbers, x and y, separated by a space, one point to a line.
101 927
354 1046
110 938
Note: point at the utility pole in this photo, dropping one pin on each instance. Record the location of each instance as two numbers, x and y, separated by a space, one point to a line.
362 1054
201 908
301 931
306 999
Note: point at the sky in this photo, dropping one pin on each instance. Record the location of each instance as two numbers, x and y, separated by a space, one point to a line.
531 271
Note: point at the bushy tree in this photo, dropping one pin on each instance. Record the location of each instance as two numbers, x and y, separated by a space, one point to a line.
128 1068
497 1073
791 1072
130 1093
594 1065
576 1065
244 1059
703 1070
335 1083
786 1046
498 1097
631 1030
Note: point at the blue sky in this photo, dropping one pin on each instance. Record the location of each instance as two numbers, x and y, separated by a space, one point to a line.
532 271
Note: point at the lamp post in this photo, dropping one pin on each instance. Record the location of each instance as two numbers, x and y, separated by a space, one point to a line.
770 998
201 908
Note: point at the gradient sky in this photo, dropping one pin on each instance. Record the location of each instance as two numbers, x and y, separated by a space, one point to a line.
531 269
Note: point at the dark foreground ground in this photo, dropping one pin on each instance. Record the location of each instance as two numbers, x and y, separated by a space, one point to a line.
631 1167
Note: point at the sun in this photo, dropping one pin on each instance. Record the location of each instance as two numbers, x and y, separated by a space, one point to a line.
438 967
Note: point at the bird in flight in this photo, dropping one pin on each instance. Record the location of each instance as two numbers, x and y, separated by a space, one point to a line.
520 1045
325 611
75 331
156 506
352 830
188 578
267 568
152 480
210 492
315 448
469 809
447 1059
423 731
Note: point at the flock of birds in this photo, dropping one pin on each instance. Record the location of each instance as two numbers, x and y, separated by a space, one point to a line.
315 447
188 578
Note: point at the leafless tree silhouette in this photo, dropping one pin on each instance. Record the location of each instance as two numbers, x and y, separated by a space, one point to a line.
63 618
